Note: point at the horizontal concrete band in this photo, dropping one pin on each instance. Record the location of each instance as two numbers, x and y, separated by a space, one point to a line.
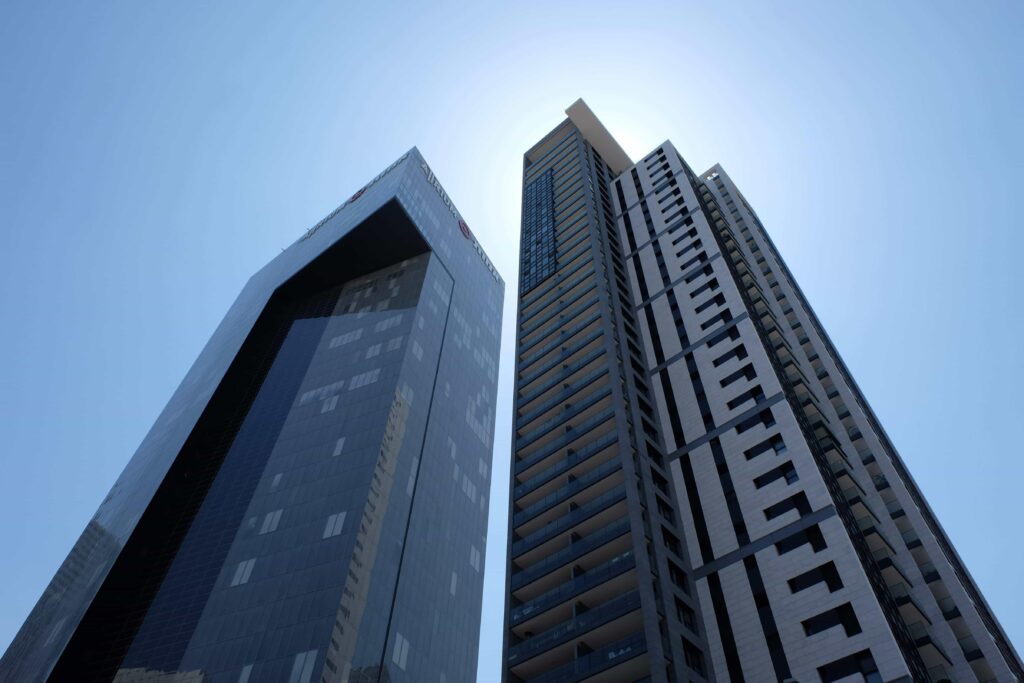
700 342
765 541
697 443
682 278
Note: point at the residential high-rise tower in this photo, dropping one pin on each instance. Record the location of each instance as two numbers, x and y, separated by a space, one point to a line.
311 504
699 490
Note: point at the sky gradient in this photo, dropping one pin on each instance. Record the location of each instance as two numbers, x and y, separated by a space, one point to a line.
154 155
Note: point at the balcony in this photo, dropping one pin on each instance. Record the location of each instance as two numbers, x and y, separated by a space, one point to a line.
577 586
574 627
561 276
601 445
910 611
585 328
575 551
619 661
930 652
555 321
572 434
555 335
948 608
575 356
605 503
561 495
559 308
558 297
584 407
568 392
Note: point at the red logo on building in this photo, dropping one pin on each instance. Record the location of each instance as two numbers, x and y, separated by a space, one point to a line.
356 196
465 229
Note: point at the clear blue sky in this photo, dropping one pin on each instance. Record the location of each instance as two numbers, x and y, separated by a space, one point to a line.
154 155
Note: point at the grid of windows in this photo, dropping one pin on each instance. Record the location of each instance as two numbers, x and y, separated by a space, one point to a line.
538 239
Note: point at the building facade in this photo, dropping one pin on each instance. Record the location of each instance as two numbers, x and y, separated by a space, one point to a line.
699 489
311 504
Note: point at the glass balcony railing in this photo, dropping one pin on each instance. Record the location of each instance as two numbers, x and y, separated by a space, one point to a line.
562 396
566 522
597 661
542 291
535 325
570 553
567 491
572 411
565 464
567 438
578 585
562 374
558 290
562 333
571 628
526 361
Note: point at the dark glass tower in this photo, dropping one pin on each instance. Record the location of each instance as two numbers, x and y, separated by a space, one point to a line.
310 506
699 489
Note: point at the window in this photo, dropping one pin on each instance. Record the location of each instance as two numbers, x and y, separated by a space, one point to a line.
271 521
339 445
826 573
400 655
839 616
746 372
860 662
243 571
346 338
709 286
764 418
811 535
388 323
738 352
474 557
373 351
798 501
334 525
772 443
784 471
363 379
754 393
302 667
717 300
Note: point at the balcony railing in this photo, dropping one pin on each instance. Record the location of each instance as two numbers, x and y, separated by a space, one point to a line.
597 661
567 393
567 438
571 628
566 522
570 553
572 488
563 333
561 418
565 464
527 361
580 584
560 359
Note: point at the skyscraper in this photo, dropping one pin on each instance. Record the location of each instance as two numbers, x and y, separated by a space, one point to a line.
699 489
311 504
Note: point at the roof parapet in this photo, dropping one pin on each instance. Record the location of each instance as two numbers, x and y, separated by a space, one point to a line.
598 136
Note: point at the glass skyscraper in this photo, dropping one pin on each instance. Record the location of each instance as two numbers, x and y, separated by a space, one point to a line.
699 490
311 505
